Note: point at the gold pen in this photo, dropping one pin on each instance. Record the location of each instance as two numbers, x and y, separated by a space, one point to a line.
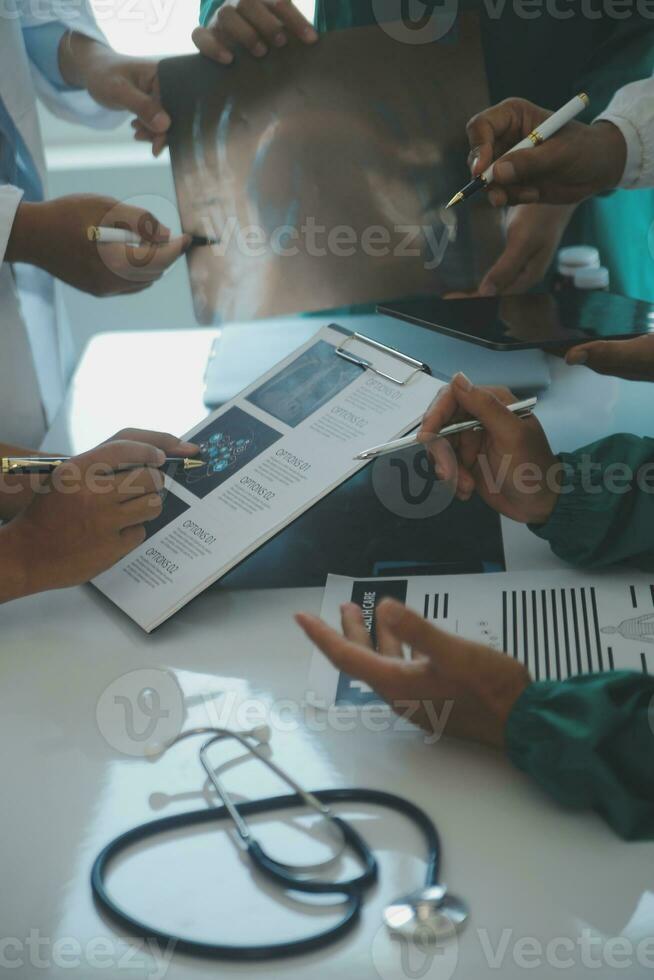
46 464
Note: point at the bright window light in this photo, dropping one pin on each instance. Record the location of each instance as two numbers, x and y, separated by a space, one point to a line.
155 28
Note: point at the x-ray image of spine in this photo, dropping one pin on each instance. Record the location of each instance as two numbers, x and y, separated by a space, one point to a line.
640 629
221 453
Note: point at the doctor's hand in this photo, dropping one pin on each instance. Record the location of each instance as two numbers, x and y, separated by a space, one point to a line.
469 688
117 82
576 163
509 462
533 234
169 444
82 518
630 359
255 25
53 235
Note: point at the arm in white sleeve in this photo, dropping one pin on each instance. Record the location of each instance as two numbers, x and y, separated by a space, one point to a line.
632 111
10 198
74 105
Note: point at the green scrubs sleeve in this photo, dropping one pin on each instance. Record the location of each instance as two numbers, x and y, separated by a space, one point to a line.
589 742
208 9
605 512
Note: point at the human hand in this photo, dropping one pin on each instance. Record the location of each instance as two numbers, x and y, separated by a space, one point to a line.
508 462
53 235
533 234
144 133
256 25
630 359
117 82
471 687
85 516
576 163
170 445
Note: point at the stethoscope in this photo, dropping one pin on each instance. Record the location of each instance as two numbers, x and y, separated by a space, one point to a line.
429 914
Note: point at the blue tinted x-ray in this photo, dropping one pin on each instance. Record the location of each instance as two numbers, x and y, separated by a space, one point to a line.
324 169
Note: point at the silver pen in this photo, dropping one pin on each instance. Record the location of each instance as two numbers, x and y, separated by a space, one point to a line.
521 409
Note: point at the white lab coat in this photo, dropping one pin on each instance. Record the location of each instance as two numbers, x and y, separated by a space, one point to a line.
30 366
632 111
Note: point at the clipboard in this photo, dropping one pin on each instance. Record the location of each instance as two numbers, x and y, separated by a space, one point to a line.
344 351
272 453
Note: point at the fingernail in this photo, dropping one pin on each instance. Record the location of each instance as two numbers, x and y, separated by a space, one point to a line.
310 35
226 57
189 447
504 171
280 39
496 198
577 357
160 457
259 50
161 122
474 164
488 289
462 381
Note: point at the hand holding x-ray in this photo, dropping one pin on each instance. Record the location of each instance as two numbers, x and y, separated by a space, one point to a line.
255 25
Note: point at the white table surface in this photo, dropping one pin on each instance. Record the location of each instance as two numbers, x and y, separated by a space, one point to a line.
533 874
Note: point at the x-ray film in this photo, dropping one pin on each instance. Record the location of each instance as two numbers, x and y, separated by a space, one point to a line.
323 171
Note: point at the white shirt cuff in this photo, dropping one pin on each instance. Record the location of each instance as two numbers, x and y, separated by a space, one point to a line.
631 110
10 198
635 150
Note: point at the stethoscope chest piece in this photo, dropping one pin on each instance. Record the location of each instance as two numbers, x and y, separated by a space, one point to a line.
426 915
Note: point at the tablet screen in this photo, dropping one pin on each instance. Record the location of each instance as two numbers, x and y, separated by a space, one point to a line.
535 320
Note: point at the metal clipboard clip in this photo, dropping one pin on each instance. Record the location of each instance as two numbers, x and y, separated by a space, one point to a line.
366 365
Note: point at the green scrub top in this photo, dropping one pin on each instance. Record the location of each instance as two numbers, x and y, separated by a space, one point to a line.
589 740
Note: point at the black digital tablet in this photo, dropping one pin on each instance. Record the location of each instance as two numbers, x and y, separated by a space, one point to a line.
537 320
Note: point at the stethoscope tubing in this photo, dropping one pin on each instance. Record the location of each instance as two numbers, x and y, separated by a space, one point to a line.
352 890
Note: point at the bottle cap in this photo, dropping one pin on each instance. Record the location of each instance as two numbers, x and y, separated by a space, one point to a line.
577 257
592 278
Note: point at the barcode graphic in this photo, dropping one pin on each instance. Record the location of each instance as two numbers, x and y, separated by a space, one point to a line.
555 632
439 603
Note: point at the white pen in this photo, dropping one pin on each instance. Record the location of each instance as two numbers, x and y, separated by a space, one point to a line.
521 409
543 132
123 236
